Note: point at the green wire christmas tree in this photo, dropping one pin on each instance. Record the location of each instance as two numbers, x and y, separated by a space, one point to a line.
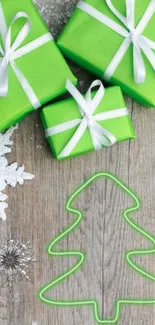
81 257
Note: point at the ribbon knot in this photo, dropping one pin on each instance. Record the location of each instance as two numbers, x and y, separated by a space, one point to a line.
133 36
87 107
89 119
8 56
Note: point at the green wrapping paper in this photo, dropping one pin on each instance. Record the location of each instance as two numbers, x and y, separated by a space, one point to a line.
68 110
93 45
44 68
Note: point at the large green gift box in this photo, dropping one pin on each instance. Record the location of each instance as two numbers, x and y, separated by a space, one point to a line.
63 121
28 56
96 32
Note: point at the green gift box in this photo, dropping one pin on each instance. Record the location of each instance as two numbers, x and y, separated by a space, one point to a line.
72 128
32 68
115 41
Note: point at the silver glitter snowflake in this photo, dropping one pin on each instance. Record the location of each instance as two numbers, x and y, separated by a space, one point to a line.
16 261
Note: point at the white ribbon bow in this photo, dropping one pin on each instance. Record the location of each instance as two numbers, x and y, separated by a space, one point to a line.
9 52
131 34
87 107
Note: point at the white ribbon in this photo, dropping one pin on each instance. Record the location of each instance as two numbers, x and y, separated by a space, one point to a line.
87 106
9 52
131 34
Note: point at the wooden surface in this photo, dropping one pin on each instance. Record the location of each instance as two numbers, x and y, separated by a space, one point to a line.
36 210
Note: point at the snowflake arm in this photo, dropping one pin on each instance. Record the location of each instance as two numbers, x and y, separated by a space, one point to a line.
5 141
3 197
14 174
3 206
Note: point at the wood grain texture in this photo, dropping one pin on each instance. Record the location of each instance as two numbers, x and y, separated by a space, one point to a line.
36 210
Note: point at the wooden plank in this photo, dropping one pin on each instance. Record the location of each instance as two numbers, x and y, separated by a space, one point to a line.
36 210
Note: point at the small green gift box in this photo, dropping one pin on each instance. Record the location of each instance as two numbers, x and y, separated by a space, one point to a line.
86 123
115 40
32 69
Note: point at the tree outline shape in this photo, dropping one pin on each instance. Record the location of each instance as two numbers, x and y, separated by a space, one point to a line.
81 257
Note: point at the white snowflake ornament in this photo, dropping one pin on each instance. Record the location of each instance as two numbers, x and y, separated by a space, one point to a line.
9 174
